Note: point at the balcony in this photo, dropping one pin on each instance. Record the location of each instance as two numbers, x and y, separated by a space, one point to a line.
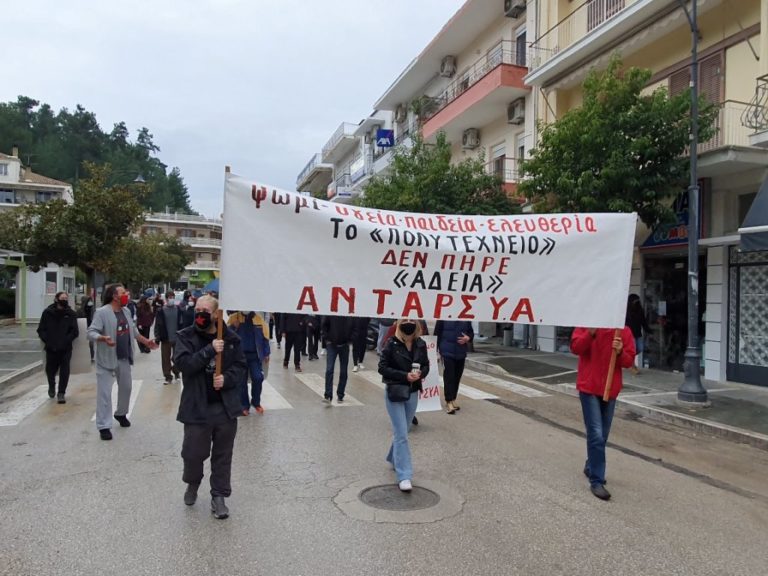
341 187
201 242
596 28
730 150
315 176
756 114
182 218
478 96
506 168
203 265
340 144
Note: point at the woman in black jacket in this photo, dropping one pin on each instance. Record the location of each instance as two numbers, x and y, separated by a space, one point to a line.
403 361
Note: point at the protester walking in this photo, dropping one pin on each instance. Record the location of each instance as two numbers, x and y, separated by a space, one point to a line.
337 334
277 321
167 324
58 329
294 330
187 310
453 340
403 366
114 332
144 319
253 332
210 403
359 341
595 347
639 325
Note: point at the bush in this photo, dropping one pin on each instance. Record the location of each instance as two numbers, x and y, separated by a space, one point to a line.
7 302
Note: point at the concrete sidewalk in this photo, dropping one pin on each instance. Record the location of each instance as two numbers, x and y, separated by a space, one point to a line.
737 411
21 352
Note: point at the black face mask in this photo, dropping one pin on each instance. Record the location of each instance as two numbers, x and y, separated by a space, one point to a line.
408 329
202 321
62 303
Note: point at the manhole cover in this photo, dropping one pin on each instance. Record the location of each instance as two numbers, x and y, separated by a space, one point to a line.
389 497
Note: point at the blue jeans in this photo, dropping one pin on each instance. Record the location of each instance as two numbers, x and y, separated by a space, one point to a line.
343 353
401 415
598 416
257 379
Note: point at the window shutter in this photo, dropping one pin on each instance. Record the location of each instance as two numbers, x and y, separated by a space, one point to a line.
679 81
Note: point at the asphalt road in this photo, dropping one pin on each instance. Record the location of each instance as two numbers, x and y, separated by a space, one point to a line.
507 471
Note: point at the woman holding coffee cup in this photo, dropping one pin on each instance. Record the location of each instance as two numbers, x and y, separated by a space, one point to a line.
403 362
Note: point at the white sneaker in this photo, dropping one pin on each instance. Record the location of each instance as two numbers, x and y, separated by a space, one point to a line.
322 352
405 486
355 368
360 366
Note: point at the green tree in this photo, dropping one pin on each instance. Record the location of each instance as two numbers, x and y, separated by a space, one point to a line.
621 151
423 179
88 233
147 260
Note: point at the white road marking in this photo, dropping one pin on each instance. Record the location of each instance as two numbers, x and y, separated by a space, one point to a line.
271 398
506 385
464 389
316 383
24 406
135 388
555 375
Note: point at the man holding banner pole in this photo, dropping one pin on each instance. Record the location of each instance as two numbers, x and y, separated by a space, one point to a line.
599 384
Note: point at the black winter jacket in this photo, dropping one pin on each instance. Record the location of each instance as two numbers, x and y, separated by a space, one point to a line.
395 362
337 330
293 323
192 355
58 328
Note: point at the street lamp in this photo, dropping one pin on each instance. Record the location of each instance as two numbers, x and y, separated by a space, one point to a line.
691 390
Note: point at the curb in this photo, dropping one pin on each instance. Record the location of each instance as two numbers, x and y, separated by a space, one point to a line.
21 373
694 423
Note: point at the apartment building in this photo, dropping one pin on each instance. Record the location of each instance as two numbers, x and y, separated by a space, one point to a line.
203 239
348 159
499 66
571 37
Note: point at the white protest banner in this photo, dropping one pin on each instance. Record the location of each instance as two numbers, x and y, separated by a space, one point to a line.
429 397
286 252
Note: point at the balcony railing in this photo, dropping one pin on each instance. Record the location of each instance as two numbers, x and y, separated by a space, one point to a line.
730 130
316 159
345 130
203 265
505 53
756 114
505 167
214 242
176 217
583 20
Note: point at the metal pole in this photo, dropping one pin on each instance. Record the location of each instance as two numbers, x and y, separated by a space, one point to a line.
691 390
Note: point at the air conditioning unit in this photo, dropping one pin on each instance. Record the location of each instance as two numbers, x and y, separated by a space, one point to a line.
513 8
448 67
470 139
401 113
516 111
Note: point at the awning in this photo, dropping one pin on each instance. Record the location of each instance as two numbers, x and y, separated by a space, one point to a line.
754 229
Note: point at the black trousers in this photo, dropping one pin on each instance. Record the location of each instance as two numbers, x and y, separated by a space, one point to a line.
215 439
358 348
144 331
452 371
58 362
293 340
313 338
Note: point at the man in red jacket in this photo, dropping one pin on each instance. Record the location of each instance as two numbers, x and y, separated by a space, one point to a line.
595 346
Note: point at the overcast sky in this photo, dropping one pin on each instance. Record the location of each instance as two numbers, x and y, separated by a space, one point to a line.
256 84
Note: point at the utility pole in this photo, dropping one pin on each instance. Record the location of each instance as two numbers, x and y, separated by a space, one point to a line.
691 390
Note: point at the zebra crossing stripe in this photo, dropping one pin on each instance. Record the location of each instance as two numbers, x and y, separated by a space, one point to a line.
271 399
27 404
316 383
135 389
506 385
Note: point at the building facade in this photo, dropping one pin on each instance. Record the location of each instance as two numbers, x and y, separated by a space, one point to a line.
498 67
203 239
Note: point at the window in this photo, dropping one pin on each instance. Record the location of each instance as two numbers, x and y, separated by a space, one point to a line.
520 48
498 162
7 197
69 285
3 169
50 283
745 203
42 197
